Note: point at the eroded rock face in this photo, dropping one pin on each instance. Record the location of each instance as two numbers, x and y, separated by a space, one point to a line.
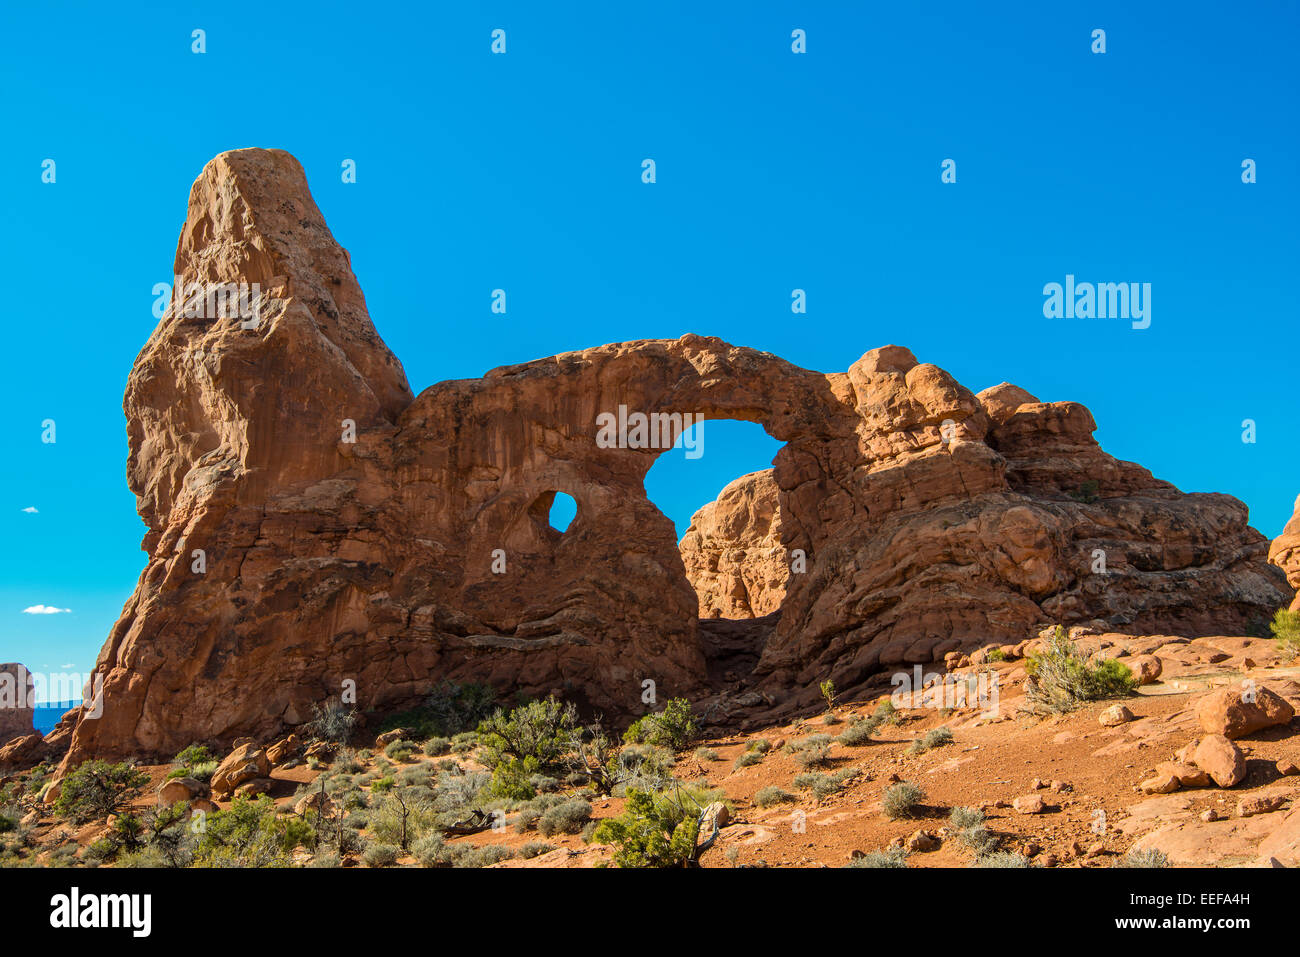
733 553
932 518
1285 553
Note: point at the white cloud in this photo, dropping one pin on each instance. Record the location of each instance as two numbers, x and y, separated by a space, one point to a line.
45 610
67 666
31 510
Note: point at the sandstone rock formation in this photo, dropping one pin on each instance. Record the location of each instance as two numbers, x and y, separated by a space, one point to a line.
311 524
1237 712
1285 553
16 700
733 553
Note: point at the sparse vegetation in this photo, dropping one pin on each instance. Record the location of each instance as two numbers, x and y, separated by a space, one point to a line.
1001 859
380 855
747 759
655 830
859 732
401 751
887 713
827 689
1146 858
971 831
332 723
772 795
674 727
541 730
893 857
935 738
1286 629
535 849
450 709
902 800
569 817
1087 492
96 789
824 785
1059 678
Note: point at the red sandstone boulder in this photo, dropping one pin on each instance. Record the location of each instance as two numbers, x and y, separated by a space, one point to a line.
1221 760
245 763
1231 712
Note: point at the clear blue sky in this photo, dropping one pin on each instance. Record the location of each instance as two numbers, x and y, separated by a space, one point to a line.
775 171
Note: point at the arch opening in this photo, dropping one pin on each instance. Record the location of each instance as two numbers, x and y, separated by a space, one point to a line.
563 510
724 505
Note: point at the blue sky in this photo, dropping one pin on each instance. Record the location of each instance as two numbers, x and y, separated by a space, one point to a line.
775 171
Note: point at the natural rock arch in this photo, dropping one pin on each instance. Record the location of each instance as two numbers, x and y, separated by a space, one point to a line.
932 518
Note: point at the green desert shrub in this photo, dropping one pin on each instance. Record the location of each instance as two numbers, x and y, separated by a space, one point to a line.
674 727
654 830
403 816
705 754
902 800
432 851
96 789
540 730
512 779
535 849
458 791
1286 629
1059 677
527 818
194 754
250 833
963 817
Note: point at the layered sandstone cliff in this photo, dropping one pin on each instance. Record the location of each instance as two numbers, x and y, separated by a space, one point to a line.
312 525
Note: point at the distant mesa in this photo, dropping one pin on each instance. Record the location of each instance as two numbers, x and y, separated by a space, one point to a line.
345 529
